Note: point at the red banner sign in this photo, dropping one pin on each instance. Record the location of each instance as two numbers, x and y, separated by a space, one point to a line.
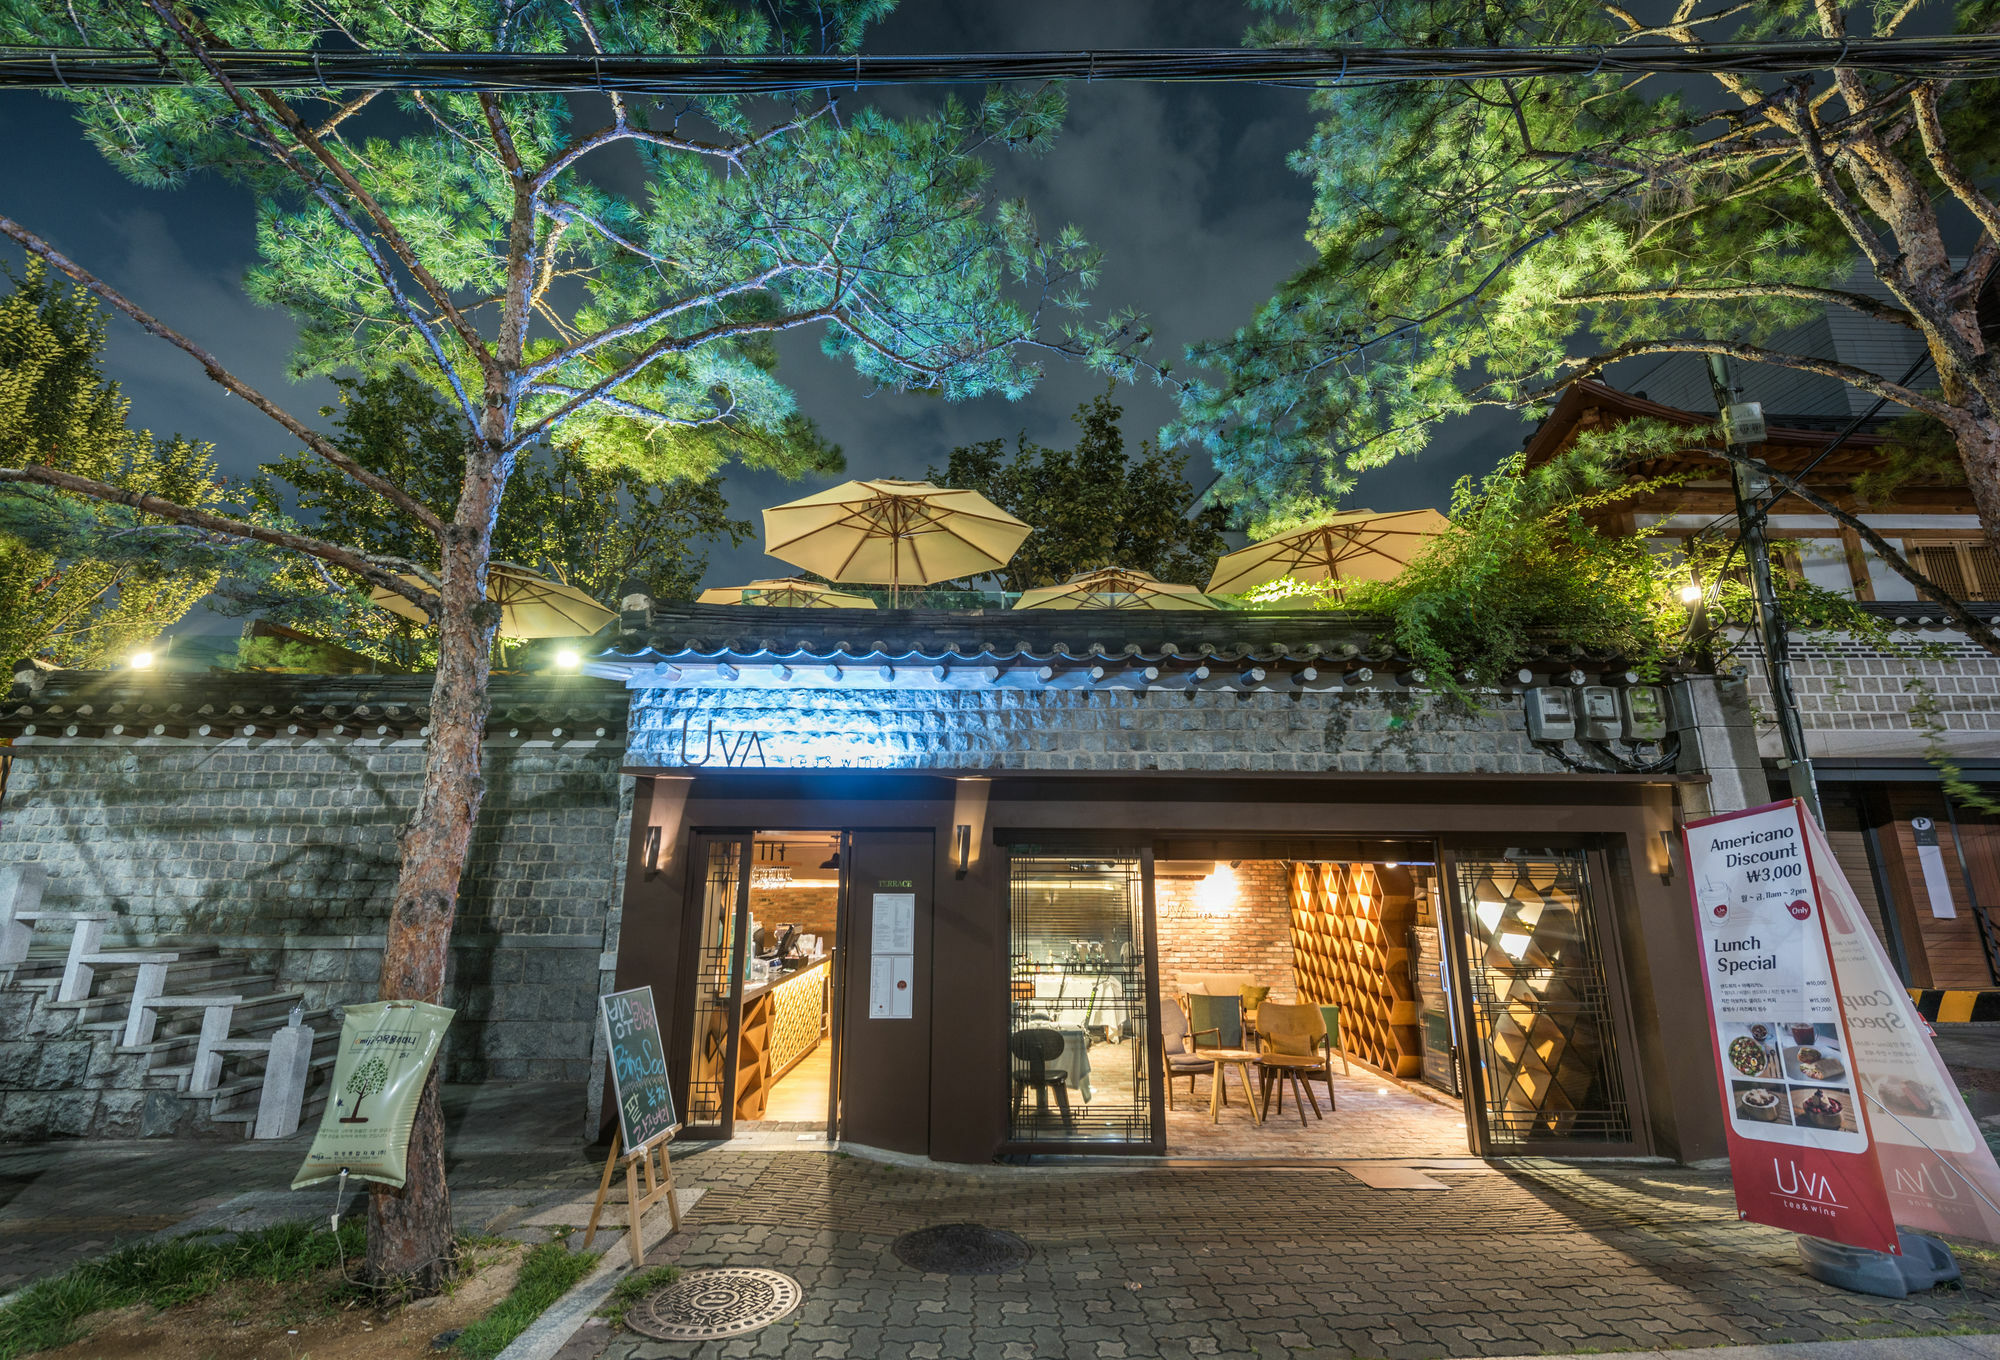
1801 1144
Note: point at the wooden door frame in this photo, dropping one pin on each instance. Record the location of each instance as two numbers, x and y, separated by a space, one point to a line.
690 970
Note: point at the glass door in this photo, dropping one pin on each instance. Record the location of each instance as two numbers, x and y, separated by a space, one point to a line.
713 979
1082 1052
1543 1015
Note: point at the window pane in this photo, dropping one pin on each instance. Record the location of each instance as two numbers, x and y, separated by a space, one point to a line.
1548 1054
1079 1017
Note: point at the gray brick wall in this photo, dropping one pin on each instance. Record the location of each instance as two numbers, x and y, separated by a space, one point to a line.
287 850
1085 729
1857 703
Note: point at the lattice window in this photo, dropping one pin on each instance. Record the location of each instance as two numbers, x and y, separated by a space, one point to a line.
1966 568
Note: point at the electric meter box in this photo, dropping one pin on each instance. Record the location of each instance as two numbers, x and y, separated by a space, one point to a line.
1597 713
1551 713
1642 712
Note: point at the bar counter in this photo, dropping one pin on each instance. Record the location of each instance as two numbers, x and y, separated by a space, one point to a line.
783 1020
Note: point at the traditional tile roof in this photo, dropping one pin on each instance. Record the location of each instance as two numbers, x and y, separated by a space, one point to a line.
130 705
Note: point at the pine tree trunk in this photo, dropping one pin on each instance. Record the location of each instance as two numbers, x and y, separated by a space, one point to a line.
1979 449
409 1230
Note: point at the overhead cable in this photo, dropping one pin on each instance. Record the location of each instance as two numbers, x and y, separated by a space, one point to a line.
1964 57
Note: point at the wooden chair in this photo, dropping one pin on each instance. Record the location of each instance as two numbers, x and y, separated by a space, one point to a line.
1038 1048
1290 1047
1181 1060
1331 1015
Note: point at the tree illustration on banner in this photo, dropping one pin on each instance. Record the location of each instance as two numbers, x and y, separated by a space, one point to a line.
365 1082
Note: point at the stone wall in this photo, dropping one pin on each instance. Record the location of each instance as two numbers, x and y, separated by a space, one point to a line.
1267 730
1251 935
285 849
1857 703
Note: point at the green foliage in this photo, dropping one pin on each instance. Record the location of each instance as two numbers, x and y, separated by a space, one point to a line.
1092 505
1920 449
547 1273
1524 566
635 1287
47 1314
60 599
661 290
1474 238
590 527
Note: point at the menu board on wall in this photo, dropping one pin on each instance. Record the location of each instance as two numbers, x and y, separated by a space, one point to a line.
892 955
1800 1142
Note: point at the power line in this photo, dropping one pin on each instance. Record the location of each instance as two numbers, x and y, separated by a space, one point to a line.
1960 57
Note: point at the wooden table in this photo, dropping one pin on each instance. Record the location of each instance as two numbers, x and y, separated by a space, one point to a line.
1242 1059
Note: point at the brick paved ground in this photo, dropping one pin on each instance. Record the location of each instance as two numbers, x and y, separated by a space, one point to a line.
1262 1262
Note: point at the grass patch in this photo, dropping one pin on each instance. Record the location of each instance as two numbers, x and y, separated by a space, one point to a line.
547 1273
48 1313
635 1287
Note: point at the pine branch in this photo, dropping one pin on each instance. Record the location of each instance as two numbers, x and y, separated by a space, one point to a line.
375 568
312 439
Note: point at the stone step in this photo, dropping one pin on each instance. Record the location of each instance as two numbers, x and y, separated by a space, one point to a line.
229 1090
65 915
112 1013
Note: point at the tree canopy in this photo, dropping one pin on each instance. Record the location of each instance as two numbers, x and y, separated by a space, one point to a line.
1093 504
1488 242
590 527
59 599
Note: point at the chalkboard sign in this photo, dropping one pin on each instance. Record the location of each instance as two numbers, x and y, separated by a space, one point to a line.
638 1067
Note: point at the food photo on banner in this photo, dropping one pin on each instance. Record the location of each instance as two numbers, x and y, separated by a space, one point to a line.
1799 1139
386 1052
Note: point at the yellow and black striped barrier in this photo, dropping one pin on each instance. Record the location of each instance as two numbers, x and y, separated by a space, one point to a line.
1942 1007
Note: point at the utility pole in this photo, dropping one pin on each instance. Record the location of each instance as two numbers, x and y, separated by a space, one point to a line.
1742 426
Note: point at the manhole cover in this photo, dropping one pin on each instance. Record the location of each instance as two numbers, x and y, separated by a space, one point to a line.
961 1249
705 1304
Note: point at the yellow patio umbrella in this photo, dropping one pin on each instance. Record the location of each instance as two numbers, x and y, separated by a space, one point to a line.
1359 545
792 592
531 605
893 533
1115 588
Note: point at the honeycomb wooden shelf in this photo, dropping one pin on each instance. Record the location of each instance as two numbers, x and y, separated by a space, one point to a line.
1350 948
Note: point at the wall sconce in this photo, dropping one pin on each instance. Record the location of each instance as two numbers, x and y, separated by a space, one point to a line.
651 856
964 838
1216 895
1667 857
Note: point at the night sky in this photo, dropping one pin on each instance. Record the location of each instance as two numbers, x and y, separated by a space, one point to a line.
1185 189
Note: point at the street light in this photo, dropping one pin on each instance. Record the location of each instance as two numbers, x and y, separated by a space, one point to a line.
1691 594
567 659
141 661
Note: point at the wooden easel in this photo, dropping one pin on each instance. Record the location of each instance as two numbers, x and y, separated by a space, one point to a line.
635 1203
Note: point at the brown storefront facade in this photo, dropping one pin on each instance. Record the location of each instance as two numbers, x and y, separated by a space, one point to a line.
1008 852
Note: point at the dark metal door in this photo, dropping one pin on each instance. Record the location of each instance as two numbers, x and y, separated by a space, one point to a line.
884 1055
712 982
1545 1032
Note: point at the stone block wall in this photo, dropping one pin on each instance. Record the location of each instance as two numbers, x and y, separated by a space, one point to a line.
1253 934
286 850
1294 730
1857 703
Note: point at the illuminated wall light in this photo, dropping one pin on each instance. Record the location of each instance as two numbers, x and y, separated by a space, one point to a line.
141 661
1216 895
567 659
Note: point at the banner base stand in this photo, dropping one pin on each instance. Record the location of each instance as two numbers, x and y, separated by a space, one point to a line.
1925 1263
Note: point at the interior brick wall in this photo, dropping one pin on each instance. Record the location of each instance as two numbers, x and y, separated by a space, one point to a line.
1254 936
813 908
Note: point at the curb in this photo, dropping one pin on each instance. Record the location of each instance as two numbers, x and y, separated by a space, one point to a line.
1942 1006
551 1331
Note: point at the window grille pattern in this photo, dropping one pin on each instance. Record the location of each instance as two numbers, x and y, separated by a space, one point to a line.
1549 1059
1078 976
1967 569
716 966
